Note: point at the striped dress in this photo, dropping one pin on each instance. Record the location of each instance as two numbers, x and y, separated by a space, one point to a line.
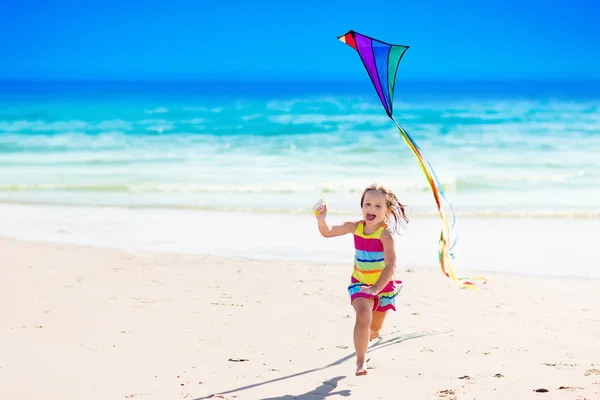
368 264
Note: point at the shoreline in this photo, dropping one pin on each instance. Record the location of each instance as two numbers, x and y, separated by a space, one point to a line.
560 248
550 214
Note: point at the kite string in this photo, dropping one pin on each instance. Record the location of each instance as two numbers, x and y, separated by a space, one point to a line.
445 248
438 184
431 173
445 231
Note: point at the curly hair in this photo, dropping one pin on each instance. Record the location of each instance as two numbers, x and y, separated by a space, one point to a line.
397 210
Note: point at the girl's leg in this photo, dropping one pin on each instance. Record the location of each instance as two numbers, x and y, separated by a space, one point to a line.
364 311
376 323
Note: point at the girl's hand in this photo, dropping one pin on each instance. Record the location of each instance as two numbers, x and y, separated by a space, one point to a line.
321 211
370 290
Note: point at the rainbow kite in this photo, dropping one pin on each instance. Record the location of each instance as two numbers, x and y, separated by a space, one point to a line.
381 60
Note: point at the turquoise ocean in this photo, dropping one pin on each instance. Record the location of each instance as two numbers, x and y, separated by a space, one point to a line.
233 168
500 149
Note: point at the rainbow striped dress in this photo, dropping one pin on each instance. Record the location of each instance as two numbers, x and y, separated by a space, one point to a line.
368 264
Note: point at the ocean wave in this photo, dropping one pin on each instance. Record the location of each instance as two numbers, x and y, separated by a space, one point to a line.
336 103
466 122
57 186
575 214
208 110
63 142
62 126
494 180
533 152
311 184
215 188
317 119
86 160
157 110
276 188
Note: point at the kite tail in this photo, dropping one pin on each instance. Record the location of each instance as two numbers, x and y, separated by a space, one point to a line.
446 243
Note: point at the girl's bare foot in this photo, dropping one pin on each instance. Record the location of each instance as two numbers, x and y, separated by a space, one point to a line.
361 369
373 335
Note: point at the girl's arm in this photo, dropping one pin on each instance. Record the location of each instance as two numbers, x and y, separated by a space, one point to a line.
333 230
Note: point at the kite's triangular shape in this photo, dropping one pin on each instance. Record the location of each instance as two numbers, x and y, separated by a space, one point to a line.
381 60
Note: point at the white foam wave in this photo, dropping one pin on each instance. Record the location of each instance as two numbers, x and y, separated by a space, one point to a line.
70 140
251 117
208 110
534 130
518 175
194 121
319 102
318 119
63 126
157 110
528 110
547 213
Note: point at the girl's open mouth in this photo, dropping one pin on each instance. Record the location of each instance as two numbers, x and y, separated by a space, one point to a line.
370 217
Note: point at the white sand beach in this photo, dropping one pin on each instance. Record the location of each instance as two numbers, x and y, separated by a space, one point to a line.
91 323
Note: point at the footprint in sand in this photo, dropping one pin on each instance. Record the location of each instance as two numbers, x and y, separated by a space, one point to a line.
570 388
593 371
447 394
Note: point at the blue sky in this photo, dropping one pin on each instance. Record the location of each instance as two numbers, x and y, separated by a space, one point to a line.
205 39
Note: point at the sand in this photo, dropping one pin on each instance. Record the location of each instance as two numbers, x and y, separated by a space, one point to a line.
87 323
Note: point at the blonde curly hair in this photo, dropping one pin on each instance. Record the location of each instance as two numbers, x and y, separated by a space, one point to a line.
396 210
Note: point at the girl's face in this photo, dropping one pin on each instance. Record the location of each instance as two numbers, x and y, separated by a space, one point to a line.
374 207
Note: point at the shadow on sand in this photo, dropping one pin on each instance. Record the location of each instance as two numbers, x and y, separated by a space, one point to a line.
326 389
320 392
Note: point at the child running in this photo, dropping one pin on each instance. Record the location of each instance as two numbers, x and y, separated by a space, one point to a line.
373 286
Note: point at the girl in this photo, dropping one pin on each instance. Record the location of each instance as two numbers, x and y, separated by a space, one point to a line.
373 286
